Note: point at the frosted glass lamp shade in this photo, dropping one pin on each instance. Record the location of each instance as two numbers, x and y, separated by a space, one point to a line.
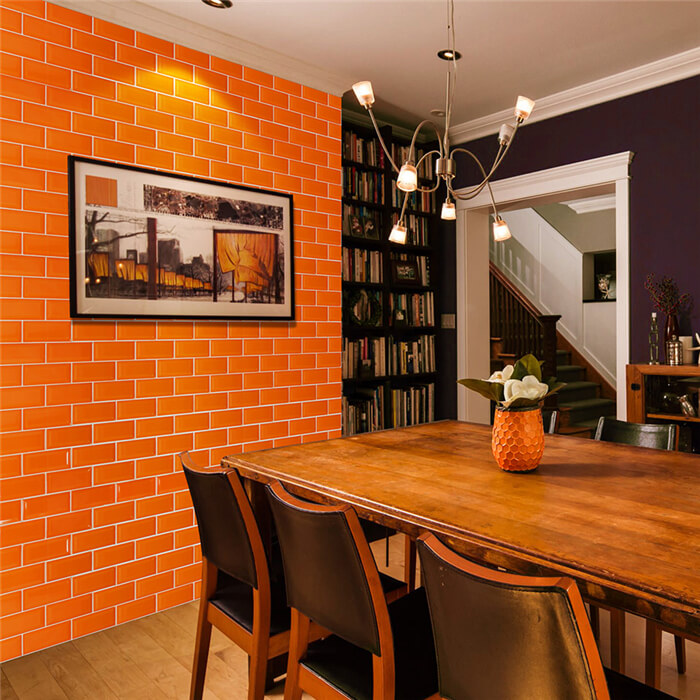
505 134
523 107
449 213
408 178
398 234
364 93
501 232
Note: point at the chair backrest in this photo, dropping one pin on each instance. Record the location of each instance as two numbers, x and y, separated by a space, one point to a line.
329 570
549 420
501 635
224 518
660 437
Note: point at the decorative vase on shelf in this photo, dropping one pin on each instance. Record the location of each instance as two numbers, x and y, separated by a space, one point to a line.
517 439
671 327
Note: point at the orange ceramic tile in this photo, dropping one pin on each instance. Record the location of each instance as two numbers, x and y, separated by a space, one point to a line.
210 438
68 523
175 106
66 58
113 473
21 45
20 352
93 454
68 609
177 144
111 556
108 432
175 559
136 96
173 444
192 422
68 142
96 45
11 65
154 584
114 31
174 596
113 150
94 581
136 134
68 393
12 375
93 622
136 570
23 622
190 91
210 115
188 164
136 369
114 595
226 136
154 505
92 497
10 20
188 55
15 131
67 99
258 177
45 550
154 82
177 520
93 539
21 441
153 158
11 220
188 574
136 609
91 330
93 126
92 85
10 603
47 417
68 437
94 412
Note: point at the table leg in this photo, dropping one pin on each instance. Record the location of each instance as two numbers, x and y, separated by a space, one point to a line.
652 673
410 563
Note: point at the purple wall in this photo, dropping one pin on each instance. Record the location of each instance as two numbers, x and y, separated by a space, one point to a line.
661 126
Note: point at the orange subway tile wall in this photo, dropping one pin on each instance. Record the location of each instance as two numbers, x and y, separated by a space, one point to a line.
97 523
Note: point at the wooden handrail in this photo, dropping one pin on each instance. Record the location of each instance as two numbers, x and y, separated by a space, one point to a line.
521 327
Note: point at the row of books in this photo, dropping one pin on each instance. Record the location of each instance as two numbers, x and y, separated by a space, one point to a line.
400 155
411 356
412 405
418 201
360 265
367 186
412 309
364 411
364 358
422 262
366 151
418 232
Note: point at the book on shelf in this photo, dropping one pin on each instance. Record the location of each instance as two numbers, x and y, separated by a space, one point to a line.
412 405
363 411
400 155
362 150
418 228
362 185
415 356
415 310
364 358
417 201
361 265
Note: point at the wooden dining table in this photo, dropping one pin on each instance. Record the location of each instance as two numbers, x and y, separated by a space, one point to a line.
623 521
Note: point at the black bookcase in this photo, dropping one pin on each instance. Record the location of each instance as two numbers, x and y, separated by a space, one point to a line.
389 290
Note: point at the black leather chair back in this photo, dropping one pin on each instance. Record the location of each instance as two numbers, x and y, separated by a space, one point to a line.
222 529
496 641
660 437
324 574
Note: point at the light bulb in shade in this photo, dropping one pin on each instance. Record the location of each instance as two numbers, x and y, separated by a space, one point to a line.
398 233
364 93
505 134
501 232
407 180
523 107
449 213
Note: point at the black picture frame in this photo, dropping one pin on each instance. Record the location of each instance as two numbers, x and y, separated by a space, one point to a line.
152 244
405 272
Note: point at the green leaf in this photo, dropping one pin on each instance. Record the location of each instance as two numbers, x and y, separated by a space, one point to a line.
491 390
532 366
554 385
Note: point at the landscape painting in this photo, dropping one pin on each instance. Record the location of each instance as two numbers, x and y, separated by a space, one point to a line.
152 244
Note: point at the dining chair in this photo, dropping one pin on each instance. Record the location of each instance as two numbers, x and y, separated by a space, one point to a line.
238 595
660 437
550 420
500 635
377 651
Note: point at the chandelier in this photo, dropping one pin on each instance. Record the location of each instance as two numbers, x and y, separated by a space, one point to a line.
445 166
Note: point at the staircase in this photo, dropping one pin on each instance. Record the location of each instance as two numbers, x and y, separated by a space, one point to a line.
517 328
580 403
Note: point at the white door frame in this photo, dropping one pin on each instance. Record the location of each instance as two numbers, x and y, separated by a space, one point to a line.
577 180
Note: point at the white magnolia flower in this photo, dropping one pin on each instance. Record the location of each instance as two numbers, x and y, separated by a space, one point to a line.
528 388
502 376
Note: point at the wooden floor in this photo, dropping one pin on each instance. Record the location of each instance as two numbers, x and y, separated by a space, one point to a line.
150 659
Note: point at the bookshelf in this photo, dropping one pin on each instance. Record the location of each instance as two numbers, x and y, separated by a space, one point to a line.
389 297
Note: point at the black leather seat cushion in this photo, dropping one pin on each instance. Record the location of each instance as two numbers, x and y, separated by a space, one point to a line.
235 599
625 688
349 668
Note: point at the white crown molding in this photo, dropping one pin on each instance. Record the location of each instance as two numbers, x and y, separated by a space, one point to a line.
592 204
650 75
564 178
163 25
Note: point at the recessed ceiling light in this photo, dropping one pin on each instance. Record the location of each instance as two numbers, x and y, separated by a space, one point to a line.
222 4
445 54
437 112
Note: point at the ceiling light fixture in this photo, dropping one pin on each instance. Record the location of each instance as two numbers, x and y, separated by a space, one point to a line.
445 166
221 4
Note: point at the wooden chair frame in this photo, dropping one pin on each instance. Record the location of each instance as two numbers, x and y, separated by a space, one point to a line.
300 679
258 644
566 584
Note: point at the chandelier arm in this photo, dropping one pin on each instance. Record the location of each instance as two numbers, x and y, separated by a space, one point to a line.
411 151
470 194
403 206
422 158
381 140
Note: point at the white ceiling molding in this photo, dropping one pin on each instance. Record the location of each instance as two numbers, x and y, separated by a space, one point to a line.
666 70
591 204
163 25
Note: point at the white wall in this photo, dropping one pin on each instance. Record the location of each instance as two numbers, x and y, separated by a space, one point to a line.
548 270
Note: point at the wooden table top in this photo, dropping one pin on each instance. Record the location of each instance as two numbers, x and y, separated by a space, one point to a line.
623 521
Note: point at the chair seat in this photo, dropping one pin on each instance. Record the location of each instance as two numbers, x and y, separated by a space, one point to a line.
235 599
349 668
626 688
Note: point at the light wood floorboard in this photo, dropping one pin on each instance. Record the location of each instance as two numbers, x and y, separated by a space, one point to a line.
151 659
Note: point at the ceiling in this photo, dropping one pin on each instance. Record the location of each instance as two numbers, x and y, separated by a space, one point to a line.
509 47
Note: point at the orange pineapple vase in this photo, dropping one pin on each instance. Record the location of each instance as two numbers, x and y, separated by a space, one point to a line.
517 439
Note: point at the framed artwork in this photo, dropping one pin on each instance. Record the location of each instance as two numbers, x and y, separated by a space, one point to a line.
150 244
354 226
370 228
405 272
